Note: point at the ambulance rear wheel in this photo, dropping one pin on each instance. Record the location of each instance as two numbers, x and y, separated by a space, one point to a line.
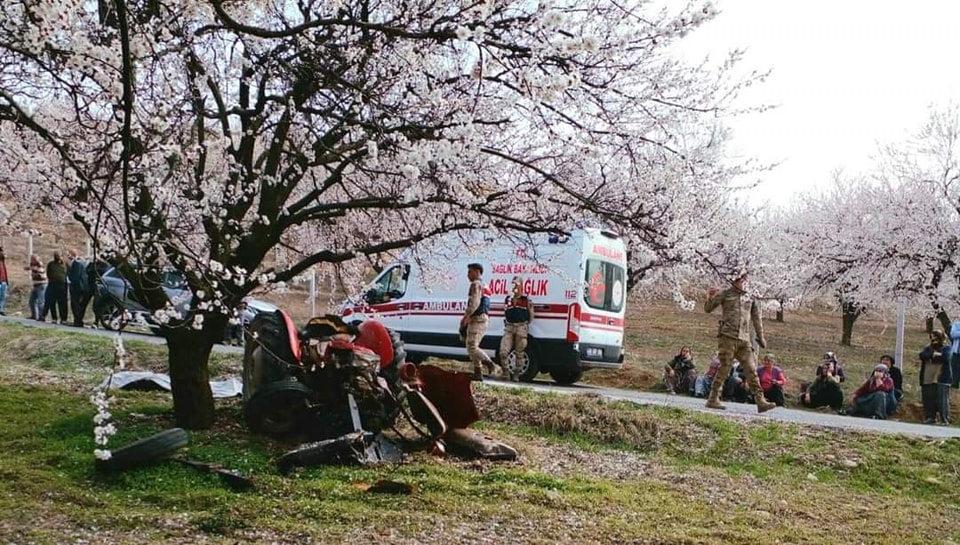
527 365
566 375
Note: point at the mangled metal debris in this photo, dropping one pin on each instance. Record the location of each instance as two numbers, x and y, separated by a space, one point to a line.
341 385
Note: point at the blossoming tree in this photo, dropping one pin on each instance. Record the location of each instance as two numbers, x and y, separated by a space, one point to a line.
890 234
203 135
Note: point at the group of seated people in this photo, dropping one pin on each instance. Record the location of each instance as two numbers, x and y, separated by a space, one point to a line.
680 375
877 397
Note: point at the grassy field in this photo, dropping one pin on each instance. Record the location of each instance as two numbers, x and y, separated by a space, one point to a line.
590 471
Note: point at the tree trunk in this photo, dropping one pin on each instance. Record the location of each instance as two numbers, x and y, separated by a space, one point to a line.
850 314
779 317
188 356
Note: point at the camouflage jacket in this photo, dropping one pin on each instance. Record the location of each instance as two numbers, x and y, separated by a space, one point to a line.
739 311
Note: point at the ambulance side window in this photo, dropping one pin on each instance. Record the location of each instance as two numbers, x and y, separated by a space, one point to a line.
604 285
392 284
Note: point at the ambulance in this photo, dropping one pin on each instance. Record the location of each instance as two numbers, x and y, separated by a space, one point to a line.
576 283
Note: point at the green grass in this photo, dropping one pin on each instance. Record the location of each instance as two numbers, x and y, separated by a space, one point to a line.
590 470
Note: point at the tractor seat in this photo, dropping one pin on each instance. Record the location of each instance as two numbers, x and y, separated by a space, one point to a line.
325 327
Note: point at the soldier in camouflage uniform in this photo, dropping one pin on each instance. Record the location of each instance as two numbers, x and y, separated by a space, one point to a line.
474 321
734 340
517 314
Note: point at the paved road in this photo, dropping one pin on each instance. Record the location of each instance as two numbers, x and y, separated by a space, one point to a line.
734 410
749 412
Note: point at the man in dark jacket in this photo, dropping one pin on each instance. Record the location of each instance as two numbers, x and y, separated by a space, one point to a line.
936 377
79 286
55 298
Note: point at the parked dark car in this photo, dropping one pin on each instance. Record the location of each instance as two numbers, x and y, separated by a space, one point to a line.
114 294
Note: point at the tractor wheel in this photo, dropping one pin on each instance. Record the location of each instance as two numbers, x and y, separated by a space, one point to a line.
278 408
145 451
265 348
399 349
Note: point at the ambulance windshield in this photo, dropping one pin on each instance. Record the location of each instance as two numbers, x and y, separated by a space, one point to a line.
604 285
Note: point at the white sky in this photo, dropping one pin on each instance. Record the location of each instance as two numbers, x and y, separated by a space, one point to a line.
846 75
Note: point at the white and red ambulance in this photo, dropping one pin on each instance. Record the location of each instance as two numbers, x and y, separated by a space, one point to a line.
577 285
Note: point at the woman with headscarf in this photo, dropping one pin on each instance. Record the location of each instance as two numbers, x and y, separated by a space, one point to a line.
870 399
935 378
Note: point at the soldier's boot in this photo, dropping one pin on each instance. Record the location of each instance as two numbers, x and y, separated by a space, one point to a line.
762 404
713 400
477 375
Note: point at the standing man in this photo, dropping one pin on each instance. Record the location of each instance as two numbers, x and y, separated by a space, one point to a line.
517 314
739 311
936 376
475 320
38 279
3 282
79 286
56 296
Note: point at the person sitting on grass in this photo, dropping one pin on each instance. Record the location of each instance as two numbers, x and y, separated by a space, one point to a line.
870 399
894 397
735 388
832 364
680 374
825 389
701 387
772 380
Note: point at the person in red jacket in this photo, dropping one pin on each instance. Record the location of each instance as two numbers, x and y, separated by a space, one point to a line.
870 399
772 380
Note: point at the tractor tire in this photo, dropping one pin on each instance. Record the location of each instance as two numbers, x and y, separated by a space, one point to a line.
392 371
278 408
399 349
265 348
145 451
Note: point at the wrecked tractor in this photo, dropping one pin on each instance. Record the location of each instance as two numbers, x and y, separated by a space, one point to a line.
340 385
